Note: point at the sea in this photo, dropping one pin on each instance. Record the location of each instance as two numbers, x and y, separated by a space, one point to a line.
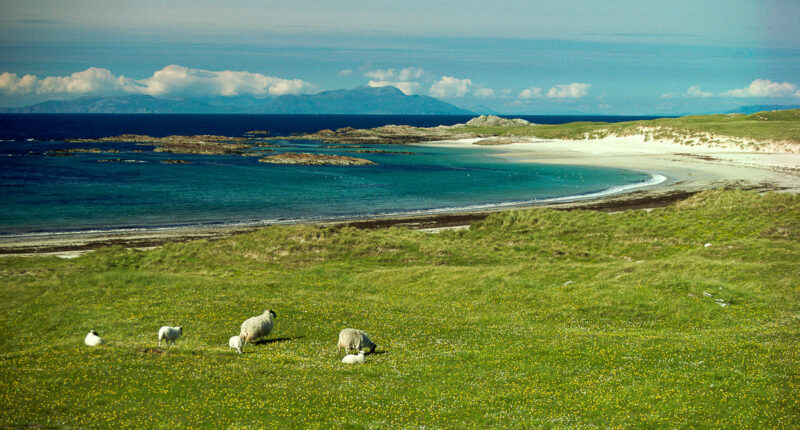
43 194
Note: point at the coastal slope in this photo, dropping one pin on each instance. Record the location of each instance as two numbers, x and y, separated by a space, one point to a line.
533 317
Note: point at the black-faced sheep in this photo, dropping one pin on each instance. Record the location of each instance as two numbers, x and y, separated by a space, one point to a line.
257 327
93 339
352 339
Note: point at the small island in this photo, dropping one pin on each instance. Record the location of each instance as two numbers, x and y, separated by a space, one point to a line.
307 159
177 144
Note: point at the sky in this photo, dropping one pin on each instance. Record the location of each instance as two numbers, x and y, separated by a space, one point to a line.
648 57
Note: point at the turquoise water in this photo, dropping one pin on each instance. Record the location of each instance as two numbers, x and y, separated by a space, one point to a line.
47 194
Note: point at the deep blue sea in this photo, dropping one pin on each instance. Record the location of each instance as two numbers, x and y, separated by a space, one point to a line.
53 194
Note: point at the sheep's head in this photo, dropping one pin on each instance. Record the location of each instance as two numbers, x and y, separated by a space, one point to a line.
180 329
94 333
271 312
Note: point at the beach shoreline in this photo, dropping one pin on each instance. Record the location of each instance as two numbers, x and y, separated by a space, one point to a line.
686 169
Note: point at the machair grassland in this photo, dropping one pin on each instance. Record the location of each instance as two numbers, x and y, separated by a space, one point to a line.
752 130
531 318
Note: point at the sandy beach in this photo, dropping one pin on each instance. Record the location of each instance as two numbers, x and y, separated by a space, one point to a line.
688 169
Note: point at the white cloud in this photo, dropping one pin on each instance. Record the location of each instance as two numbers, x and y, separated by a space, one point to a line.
410 73
484 92
765 88
346 72
11 84
402 75
569 91
531 93
693 91
561 91
449 87
408 88
403 79
179 80
380 75
169 81
90 81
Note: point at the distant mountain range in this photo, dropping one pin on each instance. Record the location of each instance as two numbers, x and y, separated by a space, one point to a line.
761 108
361 100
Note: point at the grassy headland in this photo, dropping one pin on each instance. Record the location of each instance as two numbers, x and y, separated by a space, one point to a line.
529 318
774 126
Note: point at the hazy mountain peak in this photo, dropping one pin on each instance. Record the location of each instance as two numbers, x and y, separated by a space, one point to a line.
360 100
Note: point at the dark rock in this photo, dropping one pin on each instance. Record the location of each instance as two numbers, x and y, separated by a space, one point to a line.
315 159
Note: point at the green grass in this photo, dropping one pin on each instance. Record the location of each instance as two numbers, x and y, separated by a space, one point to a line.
781 126
476 328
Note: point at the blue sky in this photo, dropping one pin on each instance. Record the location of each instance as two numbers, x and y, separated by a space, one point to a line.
526 57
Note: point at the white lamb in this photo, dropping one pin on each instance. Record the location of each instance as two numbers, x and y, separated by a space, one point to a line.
354 359
169 334
235 342
258 327
93 339
352 339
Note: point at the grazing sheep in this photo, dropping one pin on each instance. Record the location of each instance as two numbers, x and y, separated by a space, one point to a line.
93 339
258 327
236 343
354 359
169 334
352 339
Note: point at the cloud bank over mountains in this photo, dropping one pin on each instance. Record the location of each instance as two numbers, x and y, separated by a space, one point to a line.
410 80
404 79
178 82
173 80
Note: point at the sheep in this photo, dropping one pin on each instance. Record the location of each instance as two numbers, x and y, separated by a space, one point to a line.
352 339
93 339
354 359
258 327
169 334
236 343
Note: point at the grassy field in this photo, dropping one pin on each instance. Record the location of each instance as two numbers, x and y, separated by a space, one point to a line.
772 126
531 318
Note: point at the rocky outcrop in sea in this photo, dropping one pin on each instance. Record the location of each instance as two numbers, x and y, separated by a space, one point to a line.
496 121
307 159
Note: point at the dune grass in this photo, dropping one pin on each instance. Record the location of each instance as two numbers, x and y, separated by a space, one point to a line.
531 318
782 126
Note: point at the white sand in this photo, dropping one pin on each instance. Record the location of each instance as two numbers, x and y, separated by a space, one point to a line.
686 167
